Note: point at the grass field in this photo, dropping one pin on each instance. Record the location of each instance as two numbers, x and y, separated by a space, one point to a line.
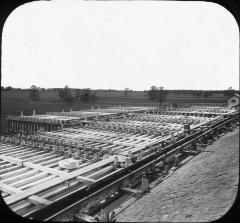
12 102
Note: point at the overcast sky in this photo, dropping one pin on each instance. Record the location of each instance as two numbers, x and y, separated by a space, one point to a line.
113 45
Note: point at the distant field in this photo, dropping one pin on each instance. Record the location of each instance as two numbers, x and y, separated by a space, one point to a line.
12 102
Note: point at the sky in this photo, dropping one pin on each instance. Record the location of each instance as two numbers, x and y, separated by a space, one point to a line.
119 44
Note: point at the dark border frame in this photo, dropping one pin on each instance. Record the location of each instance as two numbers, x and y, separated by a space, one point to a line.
6 8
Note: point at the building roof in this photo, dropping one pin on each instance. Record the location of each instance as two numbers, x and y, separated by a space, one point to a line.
236 95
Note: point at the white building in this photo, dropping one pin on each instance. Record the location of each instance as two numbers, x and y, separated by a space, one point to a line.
233 102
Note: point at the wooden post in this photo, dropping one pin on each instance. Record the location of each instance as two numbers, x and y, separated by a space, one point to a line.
145 184
104 216
165 170
128 162
85 156
95 156
176 162
55 148
140 155
69 151
116 161
198 147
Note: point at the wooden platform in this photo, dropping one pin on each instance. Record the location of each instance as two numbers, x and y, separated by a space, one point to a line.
31 177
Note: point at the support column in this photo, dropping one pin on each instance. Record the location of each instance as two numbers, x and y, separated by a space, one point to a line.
25 127
22 125
35 130
9 126
19 126
14 126
29 128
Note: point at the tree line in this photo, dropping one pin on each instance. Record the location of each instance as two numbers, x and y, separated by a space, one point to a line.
65 94
160 95
88 95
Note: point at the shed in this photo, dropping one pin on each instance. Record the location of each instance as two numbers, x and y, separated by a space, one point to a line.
233 101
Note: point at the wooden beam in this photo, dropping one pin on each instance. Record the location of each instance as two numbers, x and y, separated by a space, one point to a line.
85 179
32 199
127 189
9 189
44 169
38 200
30 179
81 217
41 187
20 176
11 159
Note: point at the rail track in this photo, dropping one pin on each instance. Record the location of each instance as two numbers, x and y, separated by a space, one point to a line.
83 202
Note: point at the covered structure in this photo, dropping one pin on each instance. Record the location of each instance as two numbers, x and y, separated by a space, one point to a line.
233 102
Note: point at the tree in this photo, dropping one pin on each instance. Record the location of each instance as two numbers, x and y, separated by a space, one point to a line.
34 93
229 92
9 88
88 95
157 94
199 94
145 92
205 94
77 94
195 93
94 97
65 94
161 96
152 93
85 96
127 91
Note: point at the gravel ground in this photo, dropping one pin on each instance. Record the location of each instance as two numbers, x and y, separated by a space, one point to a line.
203 189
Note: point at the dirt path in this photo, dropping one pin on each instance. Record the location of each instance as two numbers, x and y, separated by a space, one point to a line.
204 189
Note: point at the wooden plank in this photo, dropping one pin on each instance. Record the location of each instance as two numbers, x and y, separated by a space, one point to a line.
16 151
39 201
36 182
41 187
14 167
44 169
22 176
85 179
33 165
29 179
5 147
127 189
81 217
11 159
6 166
99 173
14 173
9 189
33 199
42 158
30 155
52 160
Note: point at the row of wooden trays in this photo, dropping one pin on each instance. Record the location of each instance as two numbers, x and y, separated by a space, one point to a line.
38 169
